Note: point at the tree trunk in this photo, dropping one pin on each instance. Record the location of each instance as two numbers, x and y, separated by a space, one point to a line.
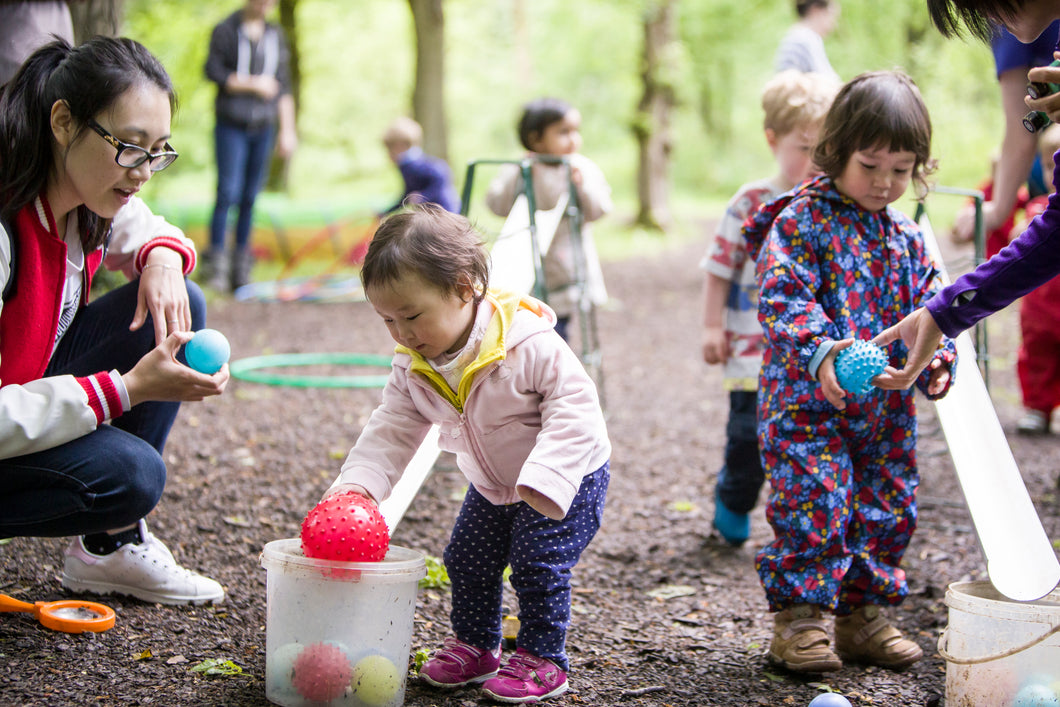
652 125
428 93
278 167
524 67
92 17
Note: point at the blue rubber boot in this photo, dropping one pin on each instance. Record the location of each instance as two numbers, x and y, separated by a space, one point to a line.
734 527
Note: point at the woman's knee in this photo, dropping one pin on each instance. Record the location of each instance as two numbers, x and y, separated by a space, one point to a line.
135 477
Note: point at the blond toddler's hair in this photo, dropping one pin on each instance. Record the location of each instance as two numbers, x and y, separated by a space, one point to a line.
403 132
793 99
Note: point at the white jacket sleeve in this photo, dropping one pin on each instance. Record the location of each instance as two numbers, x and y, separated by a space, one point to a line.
503 189
135 231
594 192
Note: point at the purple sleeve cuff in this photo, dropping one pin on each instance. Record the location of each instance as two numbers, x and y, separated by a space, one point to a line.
1028 262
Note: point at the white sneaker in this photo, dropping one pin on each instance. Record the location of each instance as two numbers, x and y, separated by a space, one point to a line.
146 571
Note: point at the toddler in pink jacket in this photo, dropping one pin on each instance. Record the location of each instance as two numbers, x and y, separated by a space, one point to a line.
516 407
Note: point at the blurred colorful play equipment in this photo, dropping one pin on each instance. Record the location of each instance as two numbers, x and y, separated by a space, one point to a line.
858 364
207 351
66 615
345 527
338 633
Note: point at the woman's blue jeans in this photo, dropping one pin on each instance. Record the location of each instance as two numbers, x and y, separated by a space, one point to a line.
114 476
242 158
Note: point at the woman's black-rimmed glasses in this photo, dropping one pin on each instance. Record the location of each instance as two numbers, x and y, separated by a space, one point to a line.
131 156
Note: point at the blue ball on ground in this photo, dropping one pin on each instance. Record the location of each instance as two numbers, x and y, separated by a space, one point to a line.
207 351
830 699
858 364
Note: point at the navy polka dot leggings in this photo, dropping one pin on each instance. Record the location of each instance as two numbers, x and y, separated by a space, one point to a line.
541 551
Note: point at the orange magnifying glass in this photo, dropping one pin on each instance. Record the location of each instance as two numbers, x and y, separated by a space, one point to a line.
67 615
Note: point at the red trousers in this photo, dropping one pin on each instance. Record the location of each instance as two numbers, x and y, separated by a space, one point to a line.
1038 365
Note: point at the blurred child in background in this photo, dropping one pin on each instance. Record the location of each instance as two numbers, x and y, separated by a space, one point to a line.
795 105
1038 364
515 405
838 263
550 126
428 180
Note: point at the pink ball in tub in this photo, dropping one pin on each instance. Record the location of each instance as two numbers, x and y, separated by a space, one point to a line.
322 672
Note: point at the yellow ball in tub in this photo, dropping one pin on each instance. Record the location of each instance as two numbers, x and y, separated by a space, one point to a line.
376 680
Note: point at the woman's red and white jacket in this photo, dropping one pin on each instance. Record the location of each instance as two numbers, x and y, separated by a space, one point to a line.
36 412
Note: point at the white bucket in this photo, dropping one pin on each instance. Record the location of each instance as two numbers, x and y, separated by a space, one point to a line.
346 625
998 651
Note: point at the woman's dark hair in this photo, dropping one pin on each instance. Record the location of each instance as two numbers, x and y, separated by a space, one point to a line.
89 78
538 115
442 248
981 17
878 109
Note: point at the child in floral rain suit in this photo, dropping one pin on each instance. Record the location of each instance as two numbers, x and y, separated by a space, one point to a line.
838 263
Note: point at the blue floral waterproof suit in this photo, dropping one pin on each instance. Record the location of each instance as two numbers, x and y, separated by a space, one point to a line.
843 501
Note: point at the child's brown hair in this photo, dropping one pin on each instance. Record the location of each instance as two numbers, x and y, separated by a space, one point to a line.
878 109
442 248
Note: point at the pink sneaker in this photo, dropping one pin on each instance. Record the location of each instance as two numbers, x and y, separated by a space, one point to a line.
458 663
526 678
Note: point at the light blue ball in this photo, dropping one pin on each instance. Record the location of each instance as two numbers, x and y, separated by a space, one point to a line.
830 699
1036 695
207 351
858 364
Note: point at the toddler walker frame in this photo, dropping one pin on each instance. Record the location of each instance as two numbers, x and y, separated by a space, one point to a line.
588 332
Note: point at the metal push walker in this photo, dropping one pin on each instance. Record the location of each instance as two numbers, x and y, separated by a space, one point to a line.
589 337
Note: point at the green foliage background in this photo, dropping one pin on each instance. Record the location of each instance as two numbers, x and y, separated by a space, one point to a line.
358 60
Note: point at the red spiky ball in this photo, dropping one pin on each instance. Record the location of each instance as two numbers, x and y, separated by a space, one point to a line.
345 527
322 672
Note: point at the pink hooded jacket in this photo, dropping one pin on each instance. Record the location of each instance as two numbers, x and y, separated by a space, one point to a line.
525 413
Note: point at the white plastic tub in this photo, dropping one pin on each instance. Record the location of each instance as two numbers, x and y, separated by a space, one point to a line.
999 651
338 633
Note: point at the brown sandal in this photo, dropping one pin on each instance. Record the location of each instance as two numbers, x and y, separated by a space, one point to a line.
867 637
800 641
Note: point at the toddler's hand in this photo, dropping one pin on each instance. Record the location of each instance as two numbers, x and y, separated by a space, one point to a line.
343 488
826 376
715 345
939 377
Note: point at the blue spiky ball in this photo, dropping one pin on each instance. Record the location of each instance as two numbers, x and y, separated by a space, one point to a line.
858 364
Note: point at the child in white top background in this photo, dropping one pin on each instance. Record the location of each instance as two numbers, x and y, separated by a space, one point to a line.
552 127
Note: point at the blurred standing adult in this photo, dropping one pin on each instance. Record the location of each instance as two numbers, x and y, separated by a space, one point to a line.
249 61
26 25
802 47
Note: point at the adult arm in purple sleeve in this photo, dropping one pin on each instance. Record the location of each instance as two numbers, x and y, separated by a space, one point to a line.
1028 262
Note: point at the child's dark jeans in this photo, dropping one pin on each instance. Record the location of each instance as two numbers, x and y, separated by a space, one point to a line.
741 477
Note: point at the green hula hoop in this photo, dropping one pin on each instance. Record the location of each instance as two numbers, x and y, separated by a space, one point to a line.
249 369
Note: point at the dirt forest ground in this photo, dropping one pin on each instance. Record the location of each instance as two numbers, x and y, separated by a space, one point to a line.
663 613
